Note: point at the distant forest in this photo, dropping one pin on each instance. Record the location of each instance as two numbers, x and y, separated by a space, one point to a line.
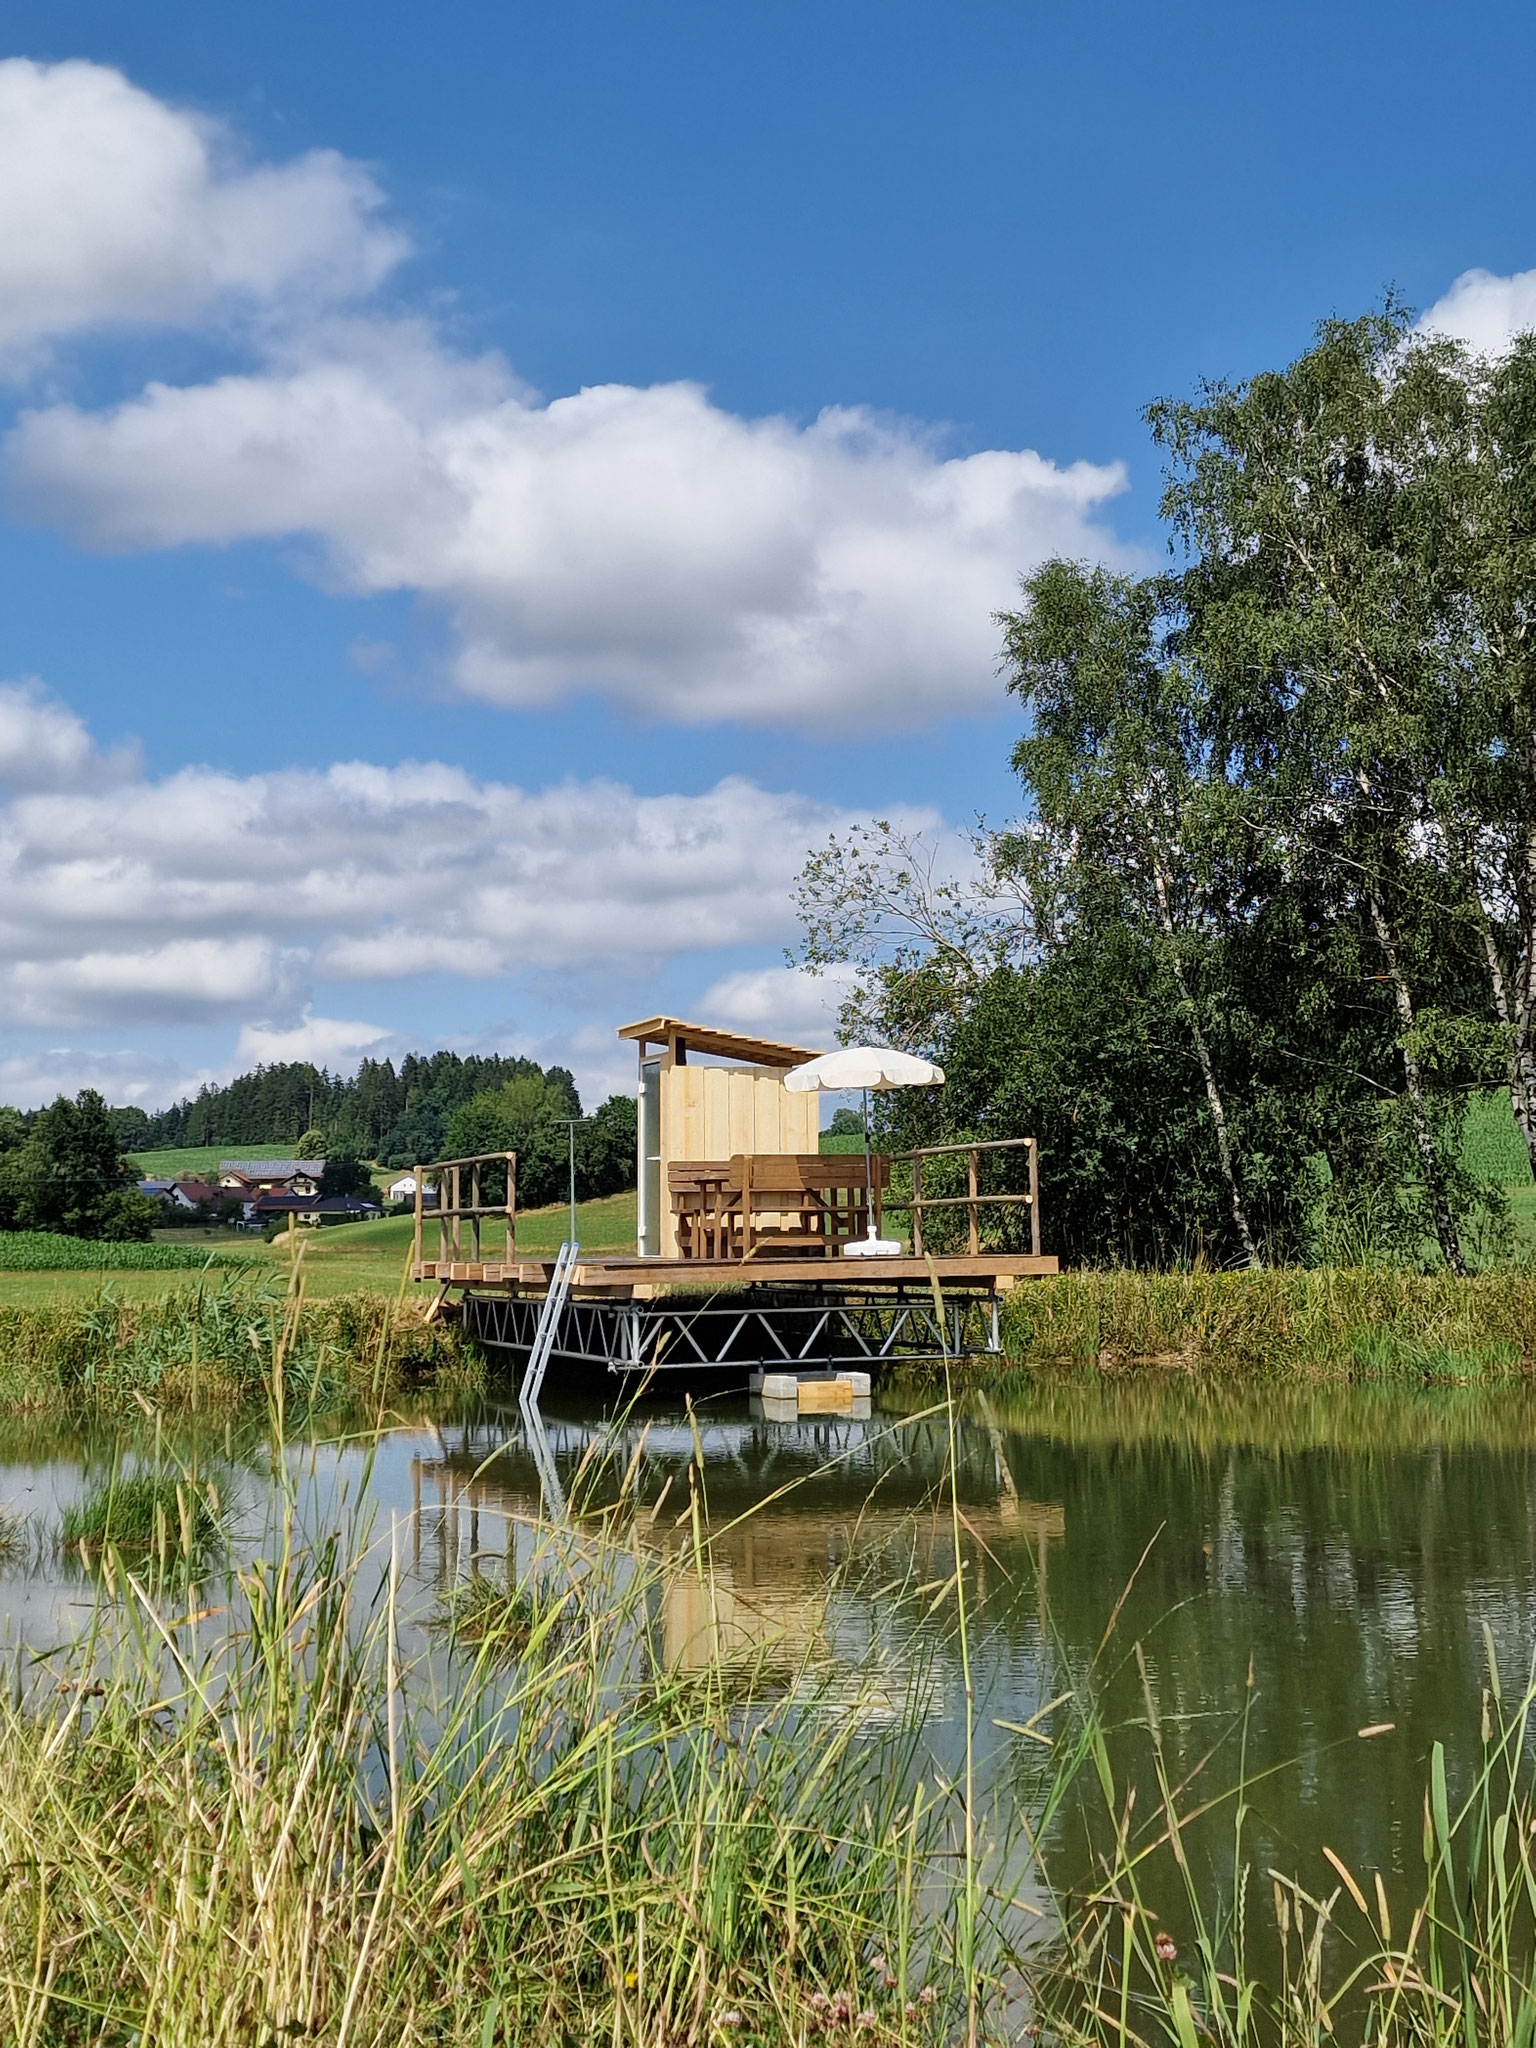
394 1115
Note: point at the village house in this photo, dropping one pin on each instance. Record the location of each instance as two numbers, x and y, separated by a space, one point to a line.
308 1209
252 1177
189 1194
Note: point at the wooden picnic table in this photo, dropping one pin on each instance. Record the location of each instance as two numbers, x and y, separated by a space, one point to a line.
778 1204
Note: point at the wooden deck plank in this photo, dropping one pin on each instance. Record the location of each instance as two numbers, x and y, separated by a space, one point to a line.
1001 1268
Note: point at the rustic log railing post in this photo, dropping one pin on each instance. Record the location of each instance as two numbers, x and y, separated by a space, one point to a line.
462 1196
974 1199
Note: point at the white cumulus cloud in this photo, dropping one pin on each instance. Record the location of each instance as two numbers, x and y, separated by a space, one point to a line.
330 1042
204 895
646 544
1484 310
45 745
779 1002
117 207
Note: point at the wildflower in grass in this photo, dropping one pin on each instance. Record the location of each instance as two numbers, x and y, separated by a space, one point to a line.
1167 1948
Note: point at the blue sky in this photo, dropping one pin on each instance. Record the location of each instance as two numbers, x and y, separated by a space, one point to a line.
487 487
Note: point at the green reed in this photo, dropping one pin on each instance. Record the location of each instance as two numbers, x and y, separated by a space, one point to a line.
1454 1965
217 1341
1354 1321
147 1515
280 1812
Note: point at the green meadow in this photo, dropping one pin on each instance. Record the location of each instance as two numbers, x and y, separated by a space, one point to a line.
344 1258
197 1162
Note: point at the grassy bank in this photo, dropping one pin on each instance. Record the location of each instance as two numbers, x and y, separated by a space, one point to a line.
227 1339
83 1336
1363 1323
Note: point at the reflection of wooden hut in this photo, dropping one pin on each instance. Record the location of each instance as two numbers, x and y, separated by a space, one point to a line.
693 1110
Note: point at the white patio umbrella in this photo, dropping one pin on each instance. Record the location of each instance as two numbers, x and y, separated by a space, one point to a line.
865 1067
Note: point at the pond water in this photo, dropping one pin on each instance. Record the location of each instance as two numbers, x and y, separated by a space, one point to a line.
1319 1560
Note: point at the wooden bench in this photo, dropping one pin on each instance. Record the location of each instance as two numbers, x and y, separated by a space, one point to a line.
787 1204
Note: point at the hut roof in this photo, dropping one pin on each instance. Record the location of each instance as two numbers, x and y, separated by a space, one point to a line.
730 1045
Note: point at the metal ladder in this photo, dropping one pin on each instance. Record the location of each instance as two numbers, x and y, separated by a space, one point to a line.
549 1322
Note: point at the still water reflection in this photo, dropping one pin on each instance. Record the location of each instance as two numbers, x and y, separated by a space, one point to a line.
1325 1559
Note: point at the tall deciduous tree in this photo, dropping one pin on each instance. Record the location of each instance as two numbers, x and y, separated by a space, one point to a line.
1131 809
1493 798
1320 506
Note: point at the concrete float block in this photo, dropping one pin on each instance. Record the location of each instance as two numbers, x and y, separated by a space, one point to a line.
825 1397
785 1395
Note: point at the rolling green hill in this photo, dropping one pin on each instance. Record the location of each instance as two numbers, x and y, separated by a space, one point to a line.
198 1161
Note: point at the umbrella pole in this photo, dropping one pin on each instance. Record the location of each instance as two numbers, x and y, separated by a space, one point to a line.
869 1178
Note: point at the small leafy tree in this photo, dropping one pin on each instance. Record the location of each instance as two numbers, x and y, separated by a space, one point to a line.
345 1174
69 1175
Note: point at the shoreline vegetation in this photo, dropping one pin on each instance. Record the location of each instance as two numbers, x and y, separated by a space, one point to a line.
179 1340
272 1801
1352 1322
226 1341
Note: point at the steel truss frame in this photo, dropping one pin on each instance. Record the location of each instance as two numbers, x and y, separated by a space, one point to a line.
772 1329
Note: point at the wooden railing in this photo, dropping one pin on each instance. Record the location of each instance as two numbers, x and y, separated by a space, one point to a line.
453 1211
973 1200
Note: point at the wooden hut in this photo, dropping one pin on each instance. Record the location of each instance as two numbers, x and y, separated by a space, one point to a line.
693 1110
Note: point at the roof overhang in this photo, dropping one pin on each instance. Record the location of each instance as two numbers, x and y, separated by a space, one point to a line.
677 1034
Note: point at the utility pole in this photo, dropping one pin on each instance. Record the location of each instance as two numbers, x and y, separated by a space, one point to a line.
570 1123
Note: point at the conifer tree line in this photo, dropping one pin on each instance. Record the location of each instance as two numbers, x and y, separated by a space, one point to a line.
1267 922
71 1167
395 1115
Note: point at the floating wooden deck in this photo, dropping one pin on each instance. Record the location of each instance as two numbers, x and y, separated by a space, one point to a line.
619 1276
742 1316
743 1232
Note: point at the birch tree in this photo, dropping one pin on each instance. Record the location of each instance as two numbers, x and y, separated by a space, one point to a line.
1132 810
1321 508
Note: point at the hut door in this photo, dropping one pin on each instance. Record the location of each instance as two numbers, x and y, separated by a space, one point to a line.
650 1159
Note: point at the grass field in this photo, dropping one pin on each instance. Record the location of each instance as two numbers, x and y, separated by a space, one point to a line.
343 1258
1493 1147
198 1161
